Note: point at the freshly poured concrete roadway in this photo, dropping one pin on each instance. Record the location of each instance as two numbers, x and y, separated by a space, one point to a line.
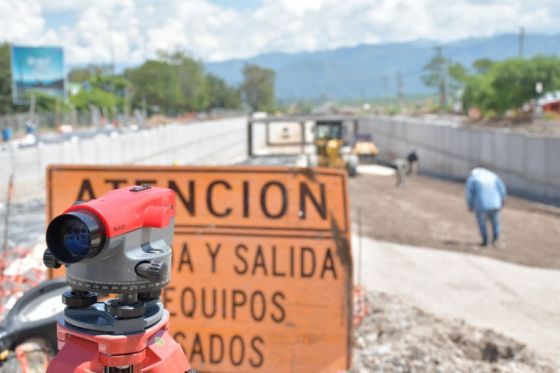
520 302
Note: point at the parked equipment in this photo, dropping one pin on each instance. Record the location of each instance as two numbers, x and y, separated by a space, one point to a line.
365 148
331 148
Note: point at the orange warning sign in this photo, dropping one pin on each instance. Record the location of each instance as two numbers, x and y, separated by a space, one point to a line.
261 274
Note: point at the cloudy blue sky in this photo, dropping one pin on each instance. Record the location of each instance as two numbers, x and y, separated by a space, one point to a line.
91 31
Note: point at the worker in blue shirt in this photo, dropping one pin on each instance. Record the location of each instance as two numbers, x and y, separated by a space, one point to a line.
485 193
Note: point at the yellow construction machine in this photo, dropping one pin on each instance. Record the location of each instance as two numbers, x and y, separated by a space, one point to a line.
331 148
365 148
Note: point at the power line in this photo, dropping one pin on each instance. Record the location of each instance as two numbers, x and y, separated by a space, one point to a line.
399 86
442 76
385 88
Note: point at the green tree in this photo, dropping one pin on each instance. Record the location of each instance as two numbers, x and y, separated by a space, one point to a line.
48 103
435 75
191 81
82 74
483 65
444 75
258 88
104 91
479 93
175 82
221 95
114 84
514 80
153 82
457 75
96 97
6 106
509 84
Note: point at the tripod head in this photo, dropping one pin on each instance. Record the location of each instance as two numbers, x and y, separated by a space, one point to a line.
117 244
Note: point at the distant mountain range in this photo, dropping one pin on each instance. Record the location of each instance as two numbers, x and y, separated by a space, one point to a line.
370 71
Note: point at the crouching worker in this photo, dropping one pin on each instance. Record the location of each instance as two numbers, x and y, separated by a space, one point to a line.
485 193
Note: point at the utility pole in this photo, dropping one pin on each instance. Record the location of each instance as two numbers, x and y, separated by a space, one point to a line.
520 42
32 105
362 98
442 77
126 105
57 115
399 86
111 48
144 50
144 107
385 89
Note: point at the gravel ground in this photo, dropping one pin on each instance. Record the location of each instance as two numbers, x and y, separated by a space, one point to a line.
525 125
430 212
397 337
538 127
26 223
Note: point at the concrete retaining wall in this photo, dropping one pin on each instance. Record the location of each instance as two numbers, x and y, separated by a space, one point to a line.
209 143
529 165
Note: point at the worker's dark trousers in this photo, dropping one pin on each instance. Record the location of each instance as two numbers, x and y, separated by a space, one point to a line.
494 217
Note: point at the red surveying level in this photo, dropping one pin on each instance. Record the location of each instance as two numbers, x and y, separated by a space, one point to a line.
117 244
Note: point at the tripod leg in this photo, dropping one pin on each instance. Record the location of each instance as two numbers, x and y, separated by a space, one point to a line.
77 355
166 355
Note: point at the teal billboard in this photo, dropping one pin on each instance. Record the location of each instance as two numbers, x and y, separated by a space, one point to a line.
37 69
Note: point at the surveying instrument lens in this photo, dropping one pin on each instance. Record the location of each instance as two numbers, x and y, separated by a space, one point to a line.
75 236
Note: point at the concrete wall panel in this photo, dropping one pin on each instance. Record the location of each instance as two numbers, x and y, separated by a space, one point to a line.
210 143
516 154
530 165
536 164
553 160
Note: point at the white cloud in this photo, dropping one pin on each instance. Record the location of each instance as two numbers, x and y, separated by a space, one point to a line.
19 19
134 29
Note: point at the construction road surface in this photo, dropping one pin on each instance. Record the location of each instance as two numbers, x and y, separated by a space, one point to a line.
518 301
502 289
433 213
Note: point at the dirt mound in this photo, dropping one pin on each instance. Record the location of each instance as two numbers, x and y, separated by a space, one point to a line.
396 337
